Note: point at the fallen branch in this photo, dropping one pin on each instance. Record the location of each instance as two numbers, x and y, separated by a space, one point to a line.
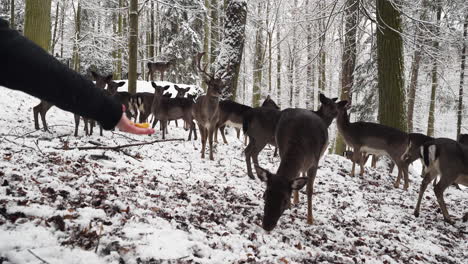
39 258
123 146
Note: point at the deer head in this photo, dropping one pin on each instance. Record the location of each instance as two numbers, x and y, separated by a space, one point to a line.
100 80
215 85
270 103
181 91
328 109
277 195
112 86
159 90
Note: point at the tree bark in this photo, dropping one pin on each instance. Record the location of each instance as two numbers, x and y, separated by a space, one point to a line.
12 14
390 66
214 30
37 22
435 78
206 39
309 85
76 50
133 46
54 40
348 62
462 78
258 60
278 65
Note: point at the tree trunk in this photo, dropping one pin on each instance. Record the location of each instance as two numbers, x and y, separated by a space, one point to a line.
232 46
462 78
309 86
269 37
413 86
258 60
206 39
214 29
296 59
390 66
133 46
278 65
12 14
152 40
37 22
62 29
54 39
322 53
76 51
435 78
348 61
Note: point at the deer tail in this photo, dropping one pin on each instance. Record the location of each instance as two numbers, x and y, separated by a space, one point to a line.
429 153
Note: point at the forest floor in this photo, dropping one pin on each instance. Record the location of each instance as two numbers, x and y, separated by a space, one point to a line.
161 203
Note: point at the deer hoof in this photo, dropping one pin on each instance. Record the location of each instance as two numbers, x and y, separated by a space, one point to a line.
416 213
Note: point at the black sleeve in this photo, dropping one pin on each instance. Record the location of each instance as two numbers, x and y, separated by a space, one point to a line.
26 67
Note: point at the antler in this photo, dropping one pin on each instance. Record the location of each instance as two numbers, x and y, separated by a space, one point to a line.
199 56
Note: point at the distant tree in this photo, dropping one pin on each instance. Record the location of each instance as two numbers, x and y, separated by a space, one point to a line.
258 58
462 77
133 46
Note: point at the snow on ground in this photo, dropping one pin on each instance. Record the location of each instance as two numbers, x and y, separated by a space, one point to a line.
144 86
161 203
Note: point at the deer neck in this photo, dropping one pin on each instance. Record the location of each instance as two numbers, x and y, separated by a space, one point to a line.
343 119
290 166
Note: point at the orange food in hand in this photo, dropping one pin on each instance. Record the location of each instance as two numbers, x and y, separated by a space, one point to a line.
142 125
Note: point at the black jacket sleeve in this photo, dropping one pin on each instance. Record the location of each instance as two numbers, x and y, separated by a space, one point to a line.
27 67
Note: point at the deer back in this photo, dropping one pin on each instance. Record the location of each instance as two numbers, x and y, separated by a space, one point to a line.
415 141
232 112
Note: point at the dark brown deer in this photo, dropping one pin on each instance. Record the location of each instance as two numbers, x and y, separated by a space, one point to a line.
231 114
375 139
447 158
160 66
165 109
349 154
302 138
206 109
270 103
181 92
141 103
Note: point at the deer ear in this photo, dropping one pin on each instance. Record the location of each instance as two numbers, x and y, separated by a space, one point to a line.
268 98
109 78
166 87
176 87
299 183
94 74
334 99
262 174
323 98
154 85
121 84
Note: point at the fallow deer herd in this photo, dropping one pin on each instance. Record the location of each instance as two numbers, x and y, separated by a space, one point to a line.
300 135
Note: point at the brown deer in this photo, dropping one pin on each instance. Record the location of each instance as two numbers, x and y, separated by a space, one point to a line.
206 109
376 139
141 103
231 114
160 66
349 154
302 138
165 109
447 158
181 92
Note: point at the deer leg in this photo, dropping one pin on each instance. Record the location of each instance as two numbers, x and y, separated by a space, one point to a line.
164 128
439 192
216 133
427 179
86 128
36 110
204 136
238 132
100 130
397 182
91 126
311 173
276 152
211 132
374 161
361 162
245 139
176 124
296 197
248 154
221 129
405 174
77 124
43 118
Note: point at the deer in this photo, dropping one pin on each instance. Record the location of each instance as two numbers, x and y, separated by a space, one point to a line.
141 103
232 114
302 139
376 139
447 158
349 154
181 92
165 109
160 66
206 109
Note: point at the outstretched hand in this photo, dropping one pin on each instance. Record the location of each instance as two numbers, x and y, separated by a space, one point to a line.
126 125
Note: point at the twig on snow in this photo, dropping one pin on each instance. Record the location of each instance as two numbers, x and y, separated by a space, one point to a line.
39 258
118 147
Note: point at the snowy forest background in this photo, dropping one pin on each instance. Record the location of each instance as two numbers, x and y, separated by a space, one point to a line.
293 49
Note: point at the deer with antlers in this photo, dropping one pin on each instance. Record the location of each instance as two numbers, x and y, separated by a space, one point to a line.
206 109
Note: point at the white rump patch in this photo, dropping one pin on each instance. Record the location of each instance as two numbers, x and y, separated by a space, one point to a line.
432 152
